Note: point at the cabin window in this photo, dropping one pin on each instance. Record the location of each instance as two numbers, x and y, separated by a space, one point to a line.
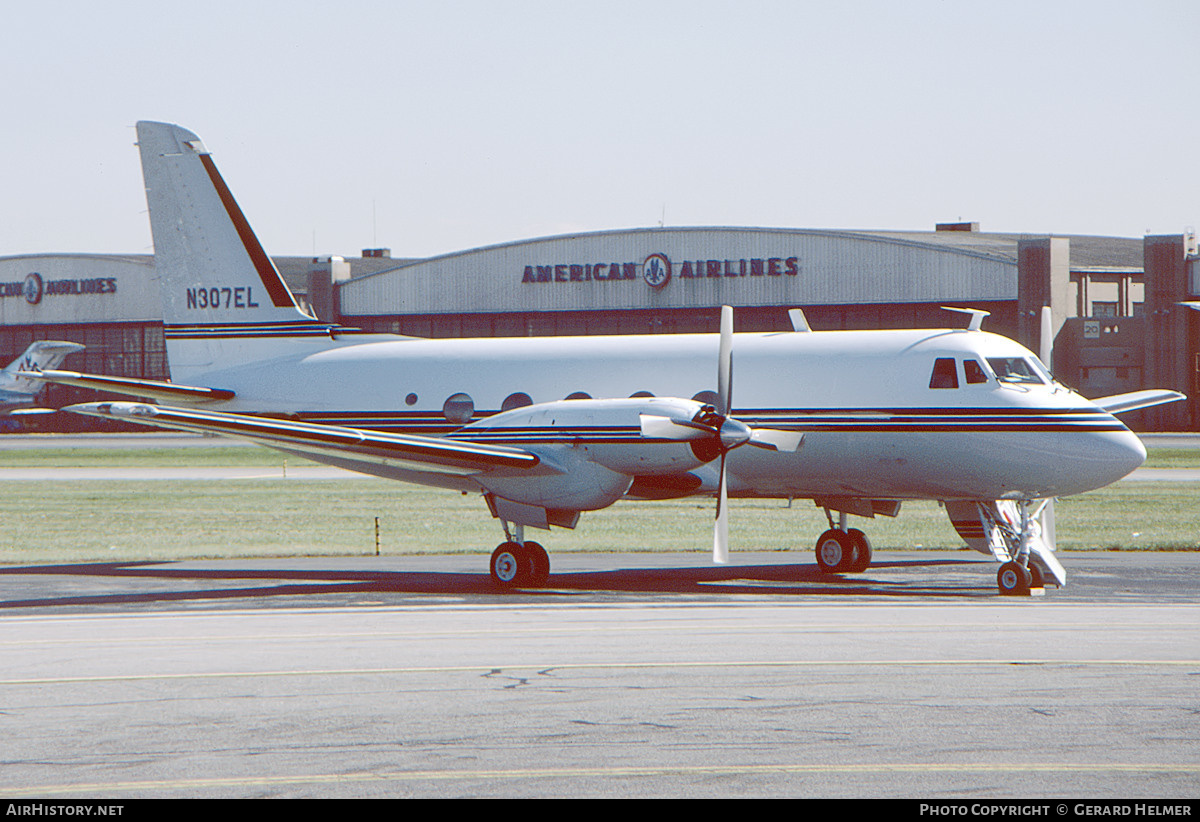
517 400
411 399
637 394
1015 370
579 395
974 372
945 374
706 397
458 408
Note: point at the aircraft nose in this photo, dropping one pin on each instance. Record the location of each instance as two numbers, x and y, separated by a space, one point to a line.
1135 450
1115 454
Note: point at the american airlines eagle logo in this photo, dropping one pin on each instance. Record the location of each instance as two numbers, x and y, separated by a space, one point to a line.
33 288
656 270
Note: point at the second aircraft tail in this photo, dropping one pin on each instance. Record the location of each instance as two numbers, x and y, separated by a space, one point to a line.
42 355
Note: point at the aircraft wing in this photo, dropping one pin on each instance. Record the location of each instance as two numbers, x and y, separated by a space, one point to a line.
131 386
1120 403
31 412
429 454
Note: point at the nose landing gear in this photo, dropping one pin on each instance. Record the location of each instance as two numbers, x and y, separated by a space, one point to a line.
1014 579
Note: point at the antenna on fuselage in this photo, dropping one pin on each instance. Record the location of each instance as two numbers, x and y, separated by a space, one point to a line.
977 315
799 321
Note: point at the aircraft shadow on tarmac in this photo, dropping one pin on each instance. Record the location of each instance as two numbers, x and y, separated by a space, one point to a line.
786 579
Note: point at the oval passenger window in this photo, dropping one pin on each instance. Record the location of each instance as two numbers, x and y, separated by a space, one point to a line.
458 408
517 400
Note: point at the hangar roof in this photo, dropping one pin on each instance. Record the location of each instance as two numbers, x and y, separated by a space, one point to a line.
812 267
827 267
1087 251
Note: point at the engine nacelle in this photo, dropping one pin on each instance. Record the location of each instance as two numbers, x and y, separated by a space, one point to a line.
605 432
573 483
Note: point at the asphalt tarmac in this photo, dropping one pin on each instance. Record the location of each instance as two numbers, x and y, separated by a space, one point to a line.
628 675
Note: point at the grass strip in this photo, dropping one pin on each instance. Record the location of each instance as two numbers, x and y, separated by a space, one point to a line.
168 520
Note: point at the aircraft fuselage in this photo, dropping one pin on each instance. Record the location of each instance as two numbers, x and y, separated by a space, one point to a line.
874 425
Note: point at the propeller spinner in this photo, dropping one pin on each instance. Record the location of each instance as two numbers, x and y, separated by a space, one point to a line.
715 433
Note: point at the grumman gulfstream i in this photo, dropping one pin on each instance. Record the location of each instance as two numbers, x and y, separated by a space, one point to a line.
546 429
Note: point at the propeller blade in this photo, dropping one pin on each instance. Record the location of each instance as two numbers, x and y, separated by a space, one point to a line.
774 439
666 428
725 363
721 528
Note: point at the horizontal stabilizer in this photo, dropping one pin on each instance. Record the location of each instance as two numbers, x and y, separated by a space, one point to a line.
131 386
1120 403
433 454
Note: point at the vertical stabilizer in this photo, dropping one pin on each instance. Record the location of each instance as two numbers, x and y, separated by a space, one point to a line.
43 355
222 297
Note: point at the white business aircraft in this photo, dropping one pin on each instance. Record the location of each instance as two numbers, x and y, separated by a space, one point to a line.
18 392
547 428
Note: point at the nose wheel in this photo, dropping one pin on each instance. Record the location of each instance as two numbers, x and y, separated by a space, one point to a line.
1015 579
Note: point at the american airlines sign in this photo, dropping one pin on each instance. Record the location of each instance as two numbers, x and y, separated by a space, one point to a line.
33 288
657 270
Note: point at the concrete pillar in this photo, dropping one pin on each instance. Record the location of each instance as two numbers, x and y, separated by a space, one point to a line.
1170 331
1043 279
320 292
324 278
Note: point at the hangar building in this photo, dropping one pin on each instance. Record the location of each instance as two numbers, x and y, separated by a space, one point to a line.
1115 301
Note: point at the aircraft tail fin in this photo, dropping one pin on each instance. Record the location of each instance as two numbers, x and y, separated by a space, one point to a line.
223 299
43 355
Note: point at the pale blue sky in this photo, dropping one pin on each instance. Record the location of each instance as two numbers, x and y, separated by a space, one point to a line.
434 127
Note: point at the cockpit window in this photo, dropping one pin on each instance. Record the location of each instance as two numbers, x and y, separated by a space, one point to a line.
945 375
1016 370
974 372
1041 368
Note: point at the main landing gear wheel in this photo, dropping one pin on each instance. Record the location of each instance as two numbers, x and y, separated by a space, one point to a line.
511 566
541 563
1014 579
515 565
862 551
836 551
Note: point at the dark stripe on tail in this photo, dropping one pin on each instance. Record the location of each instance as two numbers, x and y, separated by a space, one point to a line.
280 296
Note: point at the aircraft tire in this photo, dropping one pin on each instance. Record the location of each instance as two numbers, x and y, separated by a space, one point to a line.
511 565
1013 579
862 551
1038 577
835 551
540 561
